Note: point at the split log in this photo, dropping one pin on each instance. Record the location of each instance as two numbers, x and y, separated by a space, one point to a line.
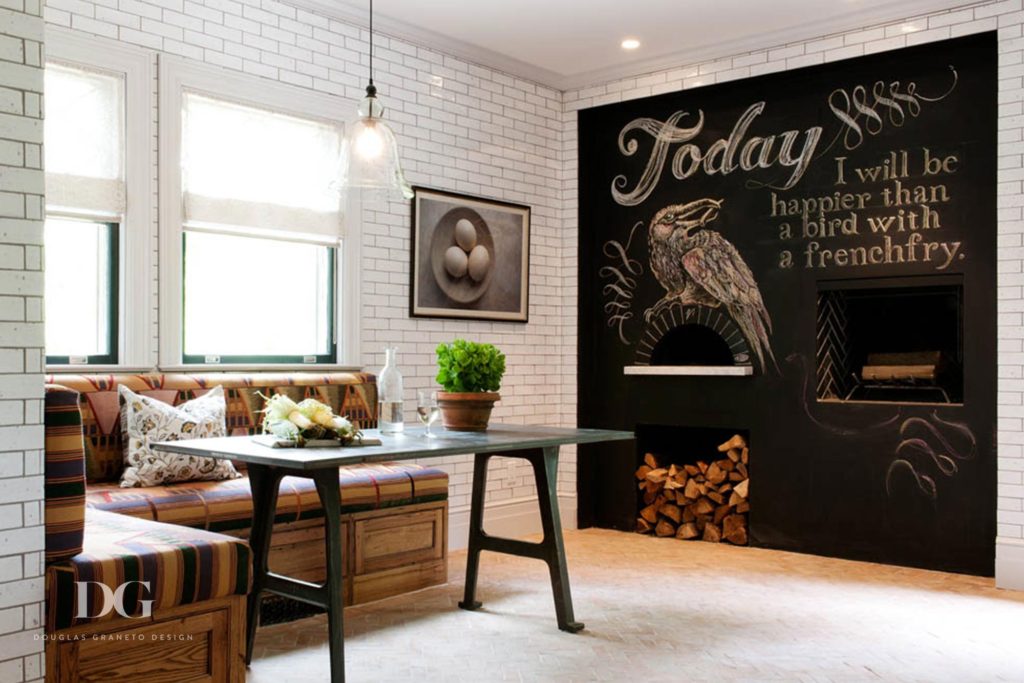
692 490
720 513
735 442
691 470
673 512
650 513
665 528
712 533
743 507
716 497
643 526
687 531
734 529
714 474
641 472
650 460
703 507
733 454
742 488
657 476
688 514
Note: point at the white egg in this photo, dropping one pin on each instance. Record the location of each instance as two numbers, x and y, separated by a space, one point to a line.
455 262
479 262
465 234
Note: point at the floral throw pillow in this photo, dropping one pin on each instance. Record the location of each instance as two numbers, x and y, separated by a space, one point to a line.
145 421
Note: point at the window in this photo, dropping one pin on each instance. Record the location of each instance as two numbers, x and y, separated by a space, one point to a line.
85 204
249 298
98 238
258 265
261 222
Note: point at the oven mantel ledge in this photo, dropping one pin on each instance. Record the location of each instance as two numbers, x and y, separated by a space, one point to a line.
690 370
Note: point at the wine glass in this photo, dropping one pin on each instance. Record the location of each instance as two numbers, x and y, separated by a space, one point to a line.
427 409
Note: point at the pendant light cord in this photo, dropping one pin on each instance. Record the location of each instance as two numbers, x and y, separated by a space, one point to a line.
371 42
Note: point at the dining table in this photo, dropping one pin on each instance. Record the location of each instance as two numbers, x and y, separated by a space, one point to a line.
266 466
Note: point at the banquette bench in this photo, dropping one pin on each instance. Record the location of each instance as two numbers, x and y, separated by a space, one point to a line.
394 521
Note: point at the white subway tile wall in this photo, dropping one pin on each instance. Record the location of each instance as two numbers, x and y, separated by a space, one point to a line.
468 128
1006 16
21 341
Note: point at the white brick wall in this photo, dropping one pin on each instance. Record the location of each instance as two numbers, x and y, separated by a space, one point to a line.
461 127
1006 16
21 341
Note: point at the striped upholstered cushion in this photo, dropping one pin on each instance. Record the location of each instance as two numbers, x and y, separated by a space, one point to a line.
182 566
64 472
226 505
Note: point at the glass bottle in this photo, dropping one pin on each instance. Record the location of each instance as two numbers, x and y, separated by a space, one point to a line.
389 414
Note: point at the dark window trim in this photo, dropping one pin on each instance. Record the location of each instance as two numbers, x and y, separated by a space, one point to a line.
113 300
329 358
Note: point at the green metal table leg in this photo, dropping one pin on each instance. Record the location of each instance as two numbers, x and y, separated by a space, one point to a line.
330 499
551 549
545 470
476 532
264 481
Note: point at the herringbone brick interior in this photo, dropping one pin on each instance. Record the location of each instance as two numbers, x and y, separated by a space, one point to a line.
667 610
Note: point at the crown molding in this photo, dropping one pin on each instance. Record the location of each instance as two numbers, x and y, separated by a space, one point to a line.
807 30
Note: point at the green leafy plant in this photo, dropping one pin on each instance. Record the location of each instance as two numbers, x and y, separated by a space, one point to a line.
465 366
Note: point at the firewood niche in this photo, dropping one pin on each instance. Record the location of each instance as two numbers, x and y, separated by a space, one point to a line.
707 500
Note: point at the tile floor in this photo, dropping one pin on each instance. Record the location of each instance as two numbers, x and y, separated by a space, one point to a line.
665 610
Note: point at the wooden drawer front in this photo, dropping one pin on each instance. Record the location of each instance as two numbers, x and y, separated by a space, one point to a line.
301 553
297 549
400 539
189 649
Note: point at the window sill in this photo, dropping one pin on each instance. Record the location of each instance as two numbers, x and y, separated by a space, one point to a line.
269 367
224 367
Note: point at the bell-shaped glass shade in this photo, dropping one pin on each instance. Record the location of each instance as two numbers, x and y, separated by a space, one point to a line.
369 154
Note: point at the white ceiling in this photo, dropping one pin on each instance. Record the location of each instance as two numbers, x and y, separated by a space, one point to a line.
571 43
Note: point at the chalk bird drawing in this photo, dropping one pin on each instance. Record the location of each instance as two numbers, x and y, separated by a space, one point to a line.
699 267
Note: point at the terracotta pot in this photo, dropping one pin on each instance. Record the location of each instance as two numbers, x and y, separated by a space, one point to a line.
466 411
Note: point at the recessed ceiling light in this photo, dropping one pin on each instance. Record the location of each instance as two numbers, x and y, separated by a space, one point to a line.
630 44
909 28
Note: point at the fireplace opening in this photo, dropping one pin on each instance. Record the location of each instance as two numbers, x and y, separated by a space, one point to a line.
885 343
693 483
692 344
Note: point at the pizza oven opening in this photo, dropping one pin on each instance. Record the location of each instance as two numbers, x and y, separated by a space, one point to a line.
877 342
692 344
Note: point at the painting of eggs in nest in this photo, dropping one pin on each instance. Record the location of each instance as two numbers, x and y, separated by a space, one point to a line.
466 257
470 257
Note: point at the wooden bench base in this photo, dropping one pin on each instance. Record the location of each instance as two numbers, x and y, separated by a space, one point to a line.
204 642
387 552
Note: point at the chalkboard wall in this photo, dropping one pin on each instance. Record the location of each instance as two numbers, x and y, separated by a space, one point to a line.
757 200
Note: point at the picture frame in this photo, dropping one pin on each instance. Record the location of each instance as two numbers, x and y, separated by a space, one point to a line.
470 257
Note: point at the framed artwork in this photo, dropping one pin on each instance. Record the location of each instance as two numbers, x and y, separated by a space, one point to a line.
470 257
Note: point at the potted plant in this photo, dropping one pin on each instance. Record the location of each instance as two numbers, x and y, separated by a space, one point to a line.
470 374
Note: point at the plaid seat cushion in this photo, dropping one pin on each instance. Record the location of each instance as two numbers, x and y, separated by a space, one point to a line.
227 505
64 474
182 566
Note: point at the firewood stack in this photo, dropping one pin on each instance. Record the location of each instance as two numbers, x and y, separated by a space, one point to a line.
705 500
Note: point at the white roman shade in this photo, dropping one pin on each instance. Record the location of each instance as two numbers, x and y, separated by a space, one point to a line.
250 169
84 132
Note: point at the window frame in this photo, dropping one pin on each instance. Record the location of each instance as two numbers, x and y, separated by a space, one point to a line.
332 326
113 296
132 344
176 76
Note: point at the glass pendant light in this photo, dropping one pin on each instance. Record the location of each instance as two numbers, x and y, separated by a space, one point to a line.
369 152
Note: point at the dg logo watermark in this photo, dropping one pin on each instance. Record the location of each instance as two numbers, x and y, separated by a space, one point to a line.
113 600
